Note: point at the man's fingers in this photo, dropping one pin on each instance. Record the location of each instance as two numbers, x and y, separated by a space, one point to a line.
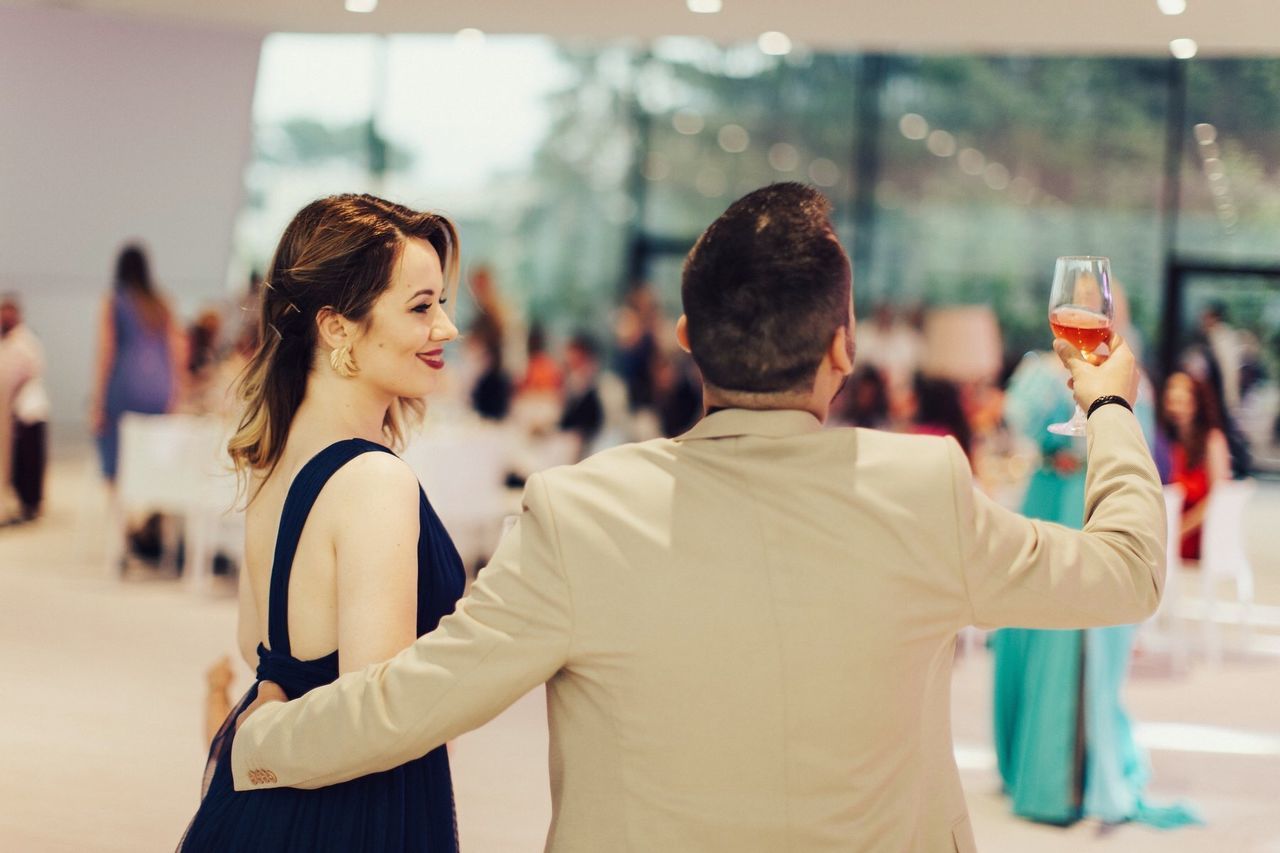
1067 353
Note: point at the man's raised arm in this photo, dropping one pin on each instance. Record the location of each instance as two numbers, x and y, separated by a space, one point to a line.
1036 574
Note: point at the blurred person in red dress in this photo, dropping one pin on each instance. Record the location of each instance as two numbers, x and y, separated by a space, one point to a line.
1191 422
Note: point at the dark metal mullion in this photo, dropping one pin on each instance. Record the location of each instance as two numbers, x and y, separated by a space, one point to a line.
1174 135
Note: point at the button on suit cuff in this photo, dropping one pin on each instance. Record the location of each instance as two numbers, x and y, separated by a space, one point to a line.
247 772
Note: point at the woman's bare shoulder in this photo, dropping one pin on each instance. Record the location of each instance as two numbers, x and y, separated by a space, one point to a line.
373 485
375 471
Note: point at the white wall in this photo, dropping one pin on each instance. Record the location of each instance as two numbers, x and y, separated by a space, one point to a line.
112 129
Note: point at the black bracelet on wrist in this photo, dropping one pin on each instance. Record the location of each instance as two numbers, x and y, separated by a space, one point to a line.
1104 400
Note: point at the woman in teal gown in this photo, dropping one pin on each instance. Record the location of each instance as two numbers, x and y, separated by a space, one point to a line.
1064 743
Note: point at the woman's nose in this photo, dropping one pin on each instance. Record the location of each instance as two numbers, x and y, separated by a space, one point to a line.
444 330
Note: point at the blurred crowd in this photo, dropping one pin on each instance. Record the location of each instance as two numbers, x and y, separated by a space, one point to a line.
939 371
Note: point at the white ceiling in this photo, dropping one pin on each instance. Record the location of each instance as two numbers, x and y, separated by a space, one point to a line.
1221 27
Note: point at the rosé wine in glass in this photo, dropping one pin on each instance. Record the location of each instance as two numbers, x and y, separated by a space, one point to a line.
1080 312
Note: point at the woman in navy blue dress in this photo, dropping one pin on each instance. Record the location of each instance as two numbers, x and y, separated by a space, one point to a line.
346 562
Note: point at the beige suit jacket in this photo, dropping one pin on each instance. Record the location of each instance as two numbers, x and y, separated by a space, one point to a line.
746 634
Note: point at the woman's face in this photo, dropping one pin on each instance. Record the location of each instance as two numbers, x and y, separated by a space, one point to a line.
401 350
1180 399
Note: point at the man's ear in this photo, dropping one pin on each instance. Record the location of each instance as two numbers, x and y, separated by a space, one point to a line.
682 333
332 329
840 349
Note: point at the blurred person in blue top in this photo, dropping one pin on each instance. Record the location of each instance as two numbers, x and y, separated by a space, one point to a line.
140 350
1064 742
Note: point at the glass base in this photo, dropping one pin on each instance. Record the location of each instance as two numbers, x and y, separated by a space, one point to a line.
1078 425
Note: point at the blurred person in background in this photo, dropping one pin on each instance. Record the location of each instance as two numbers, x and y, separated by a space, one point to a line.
1192 425
894 344
1064 741
204 388
22 367
938 410
677 392
337 577
491 394
583 413
1215 360
1224 348
140 353
636 334
204 342
542 374
864 402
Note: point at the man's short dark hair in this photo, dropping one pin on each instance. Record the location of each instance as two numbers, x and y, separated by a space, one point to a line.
764 290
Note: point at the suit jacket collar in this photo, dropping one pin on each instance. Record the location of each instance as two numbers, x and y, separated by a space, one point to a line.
767 423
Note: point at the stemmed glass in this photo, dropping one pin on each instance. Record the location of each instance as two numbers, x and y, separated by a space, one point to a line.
1081 313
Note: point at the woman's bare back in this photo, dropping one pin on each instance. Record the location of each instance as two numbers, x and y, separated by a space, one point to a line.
362 528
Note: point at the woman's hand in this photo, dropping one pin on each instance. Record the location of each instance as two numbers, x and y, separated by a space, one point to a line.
268 691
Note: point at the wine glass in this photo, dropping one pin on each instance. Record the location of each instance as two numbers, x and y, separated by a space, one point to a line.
1080 312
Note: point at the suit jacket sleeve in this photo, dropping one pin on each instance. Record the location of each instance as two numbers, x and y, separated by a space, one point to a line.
509 634
1034 574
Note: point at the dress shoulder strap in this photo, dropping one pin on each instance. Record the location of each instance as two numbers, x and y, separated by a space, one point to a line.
302 495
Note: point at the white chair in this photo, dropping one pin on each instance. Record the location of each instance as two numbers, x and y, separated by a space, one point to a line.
1223 557
1166 629
177 464
463 471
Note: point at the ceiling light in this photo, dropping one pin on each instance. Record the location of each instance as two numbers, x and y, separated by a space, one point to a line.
1183 48
784 157
733 138
711 182
657 167
1172 7
687 122
972 162
913 126
774 43
704 7
1205 133
363 6
824 172
941 143
996 176
469 37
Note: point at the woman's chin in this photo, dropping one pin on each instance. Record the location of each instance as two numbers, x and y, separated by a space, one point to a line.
419 389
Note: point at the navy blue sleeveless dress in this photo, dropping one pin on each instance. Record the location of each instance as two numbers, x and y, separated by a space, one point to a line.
408 808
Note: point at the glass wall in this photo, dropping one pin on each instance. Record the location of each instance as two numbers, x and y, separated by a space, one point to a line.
992 167
533 166
576 171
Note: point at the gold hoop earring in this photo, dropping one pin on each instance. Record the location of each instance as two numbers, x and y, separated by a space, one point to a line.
342 362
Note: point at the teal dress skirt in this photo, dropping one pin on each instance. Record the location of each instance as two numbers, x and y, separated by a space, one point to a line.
1064 742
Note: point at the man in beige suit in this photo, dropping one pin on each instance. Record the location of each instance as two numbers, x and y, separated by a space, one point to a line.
747 632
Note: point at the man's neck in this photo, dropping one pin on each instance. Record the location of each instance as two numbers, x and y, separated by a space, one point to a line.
714 399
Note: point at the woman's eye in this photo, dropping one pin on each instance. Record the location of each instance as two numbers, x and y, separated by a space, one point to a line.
424 308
